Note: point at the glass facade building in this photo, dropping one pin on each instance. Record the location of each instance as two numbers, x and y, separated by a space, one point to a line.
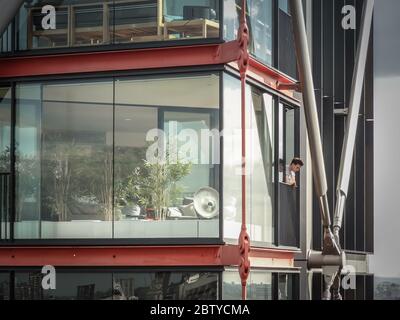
92 90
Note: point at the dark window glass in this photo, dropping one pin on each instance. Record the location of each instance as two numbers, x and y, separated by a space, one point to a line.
4 206
6 40
288 286
287 140
5 128
69 286
89 28
385 288
290 138
286 48
288 195
80 285
166 286
5 135
4 286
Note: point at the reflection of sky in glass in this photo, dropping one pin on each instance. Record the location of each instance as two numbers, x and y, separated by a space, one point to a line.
385 263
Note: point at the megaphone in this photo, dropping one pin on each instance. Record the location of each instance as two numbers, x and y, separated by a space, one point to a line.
206 202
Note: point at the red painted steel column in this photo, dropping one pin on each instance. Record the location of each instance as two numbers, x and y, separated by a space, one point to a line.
244 240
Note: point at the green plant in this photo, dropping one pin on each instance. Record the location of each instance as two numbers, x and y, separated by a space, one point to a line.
155 184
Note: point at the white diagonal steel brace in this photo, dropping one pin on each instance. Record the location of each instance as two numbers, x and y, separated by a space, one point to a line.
349 140
8 10
353 115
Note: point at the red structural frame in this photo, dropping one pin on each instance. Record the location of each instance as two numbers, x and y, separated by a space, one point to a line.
234 53
139 59
133 256
243 63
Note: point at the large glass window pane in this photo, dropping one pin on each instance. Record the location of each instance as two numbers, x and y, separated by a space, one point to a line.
232 10
64 160
69 23
260 187
82 161
77 155
259 21
232 158
260 26
28 162
259 157
156 181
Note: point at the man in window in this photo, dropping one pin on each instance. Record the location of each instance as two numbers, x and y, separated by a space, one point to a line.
291 171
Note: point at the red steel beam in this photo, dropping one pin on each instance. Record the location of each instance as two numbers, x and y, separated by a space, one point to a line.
138 59
127 256
258 67
104 61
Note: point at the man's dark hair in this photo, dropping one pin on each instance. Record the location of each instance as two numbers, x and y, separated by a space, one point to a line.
297 161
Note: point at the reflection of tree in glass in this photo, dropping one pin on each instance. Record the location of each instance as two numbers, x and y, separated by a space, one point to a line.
58 169
77 177
27 167
5 160
93 177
